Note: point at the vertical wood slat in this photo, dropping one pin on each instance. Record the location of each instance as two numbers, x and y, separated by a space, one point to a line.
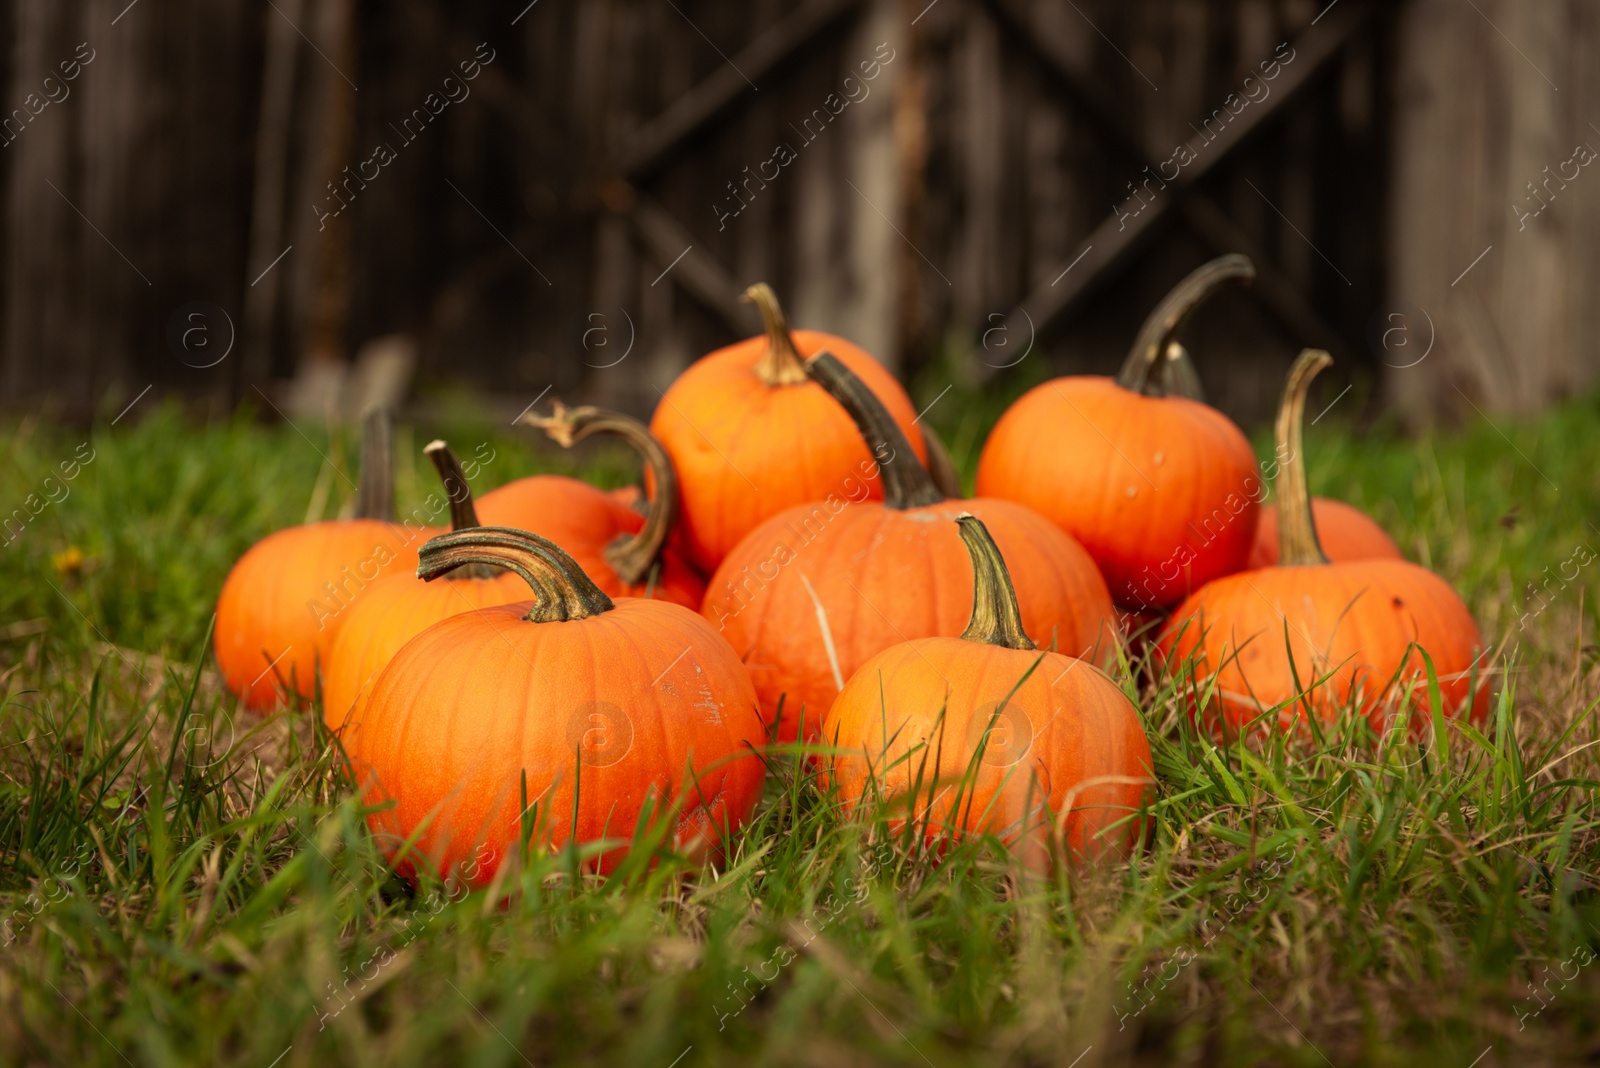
1477 121
1007 178
46 321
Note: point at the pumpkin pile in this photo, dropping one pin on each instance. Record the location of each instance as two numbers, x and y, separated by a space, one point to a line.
571 667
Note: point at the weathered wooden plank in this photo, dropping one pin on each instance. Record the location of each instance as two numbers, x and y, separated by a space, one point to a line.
1110 242
1494 205
651 147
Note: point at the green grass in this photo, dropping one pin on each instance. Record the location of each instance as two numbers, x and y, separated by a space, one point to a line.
188 884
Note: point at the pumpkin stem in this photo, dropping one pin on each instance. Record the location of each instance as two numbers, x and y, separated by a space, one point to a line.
463 515
375 480
1143 371
781 364
462 512
906 483
1178 376
996 619
562 591
1297 531
631 556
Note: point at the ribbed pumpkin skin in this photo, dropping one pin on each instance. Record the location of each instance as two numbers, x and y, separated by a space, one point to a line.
883 577
275 605
745 451
1345 532
1355 619
395 610
1162 491
1068 728
583 520
474 701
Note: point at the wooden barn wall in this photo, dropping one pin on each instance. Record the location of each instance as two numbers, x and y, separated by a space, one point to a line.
1495 207
533 231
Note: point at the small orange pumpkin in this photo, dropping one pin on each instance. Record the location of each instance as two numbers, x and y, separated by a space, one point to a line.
995 735
626 552
1310 637
1344 531
572 718
399 607
1162 490
279 605
817 590
751 435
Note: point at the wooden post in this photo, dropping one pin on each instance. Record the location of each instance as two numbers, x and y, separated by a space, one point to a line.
1490 251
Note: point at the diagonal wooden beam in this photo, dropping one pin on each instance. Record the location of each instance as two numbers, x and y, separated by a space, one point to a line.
1208 221
1109 244
653 144
695 270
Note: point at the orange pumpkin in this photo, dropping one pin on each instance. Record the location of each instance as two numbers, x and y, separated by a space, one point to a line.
399 607
623 550
278 608
570 718
1162 490
814 592
1313 637
1344 531
986 733
751 435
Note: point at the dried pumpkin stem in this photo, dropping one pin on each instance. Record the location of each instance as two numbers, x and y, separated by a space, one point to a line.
375 481
996 619
1144 371
462 512
562 589
1179 378
1297 531
906 483
781 364
463 515
632 555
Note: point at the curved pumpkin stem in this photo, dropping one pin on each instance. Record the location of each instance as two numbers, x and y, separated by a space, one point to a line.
781 364
375 480
906 483
1297 531
1140 371
562 589
996 619
1178 376
631 556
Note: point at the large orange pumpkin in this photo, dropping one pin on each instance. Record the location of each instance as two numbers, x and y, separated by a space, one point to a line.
986 733
570 718
1310 637
1162 490
279 606
399 607
624 550
751 435
1344 531
814 592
